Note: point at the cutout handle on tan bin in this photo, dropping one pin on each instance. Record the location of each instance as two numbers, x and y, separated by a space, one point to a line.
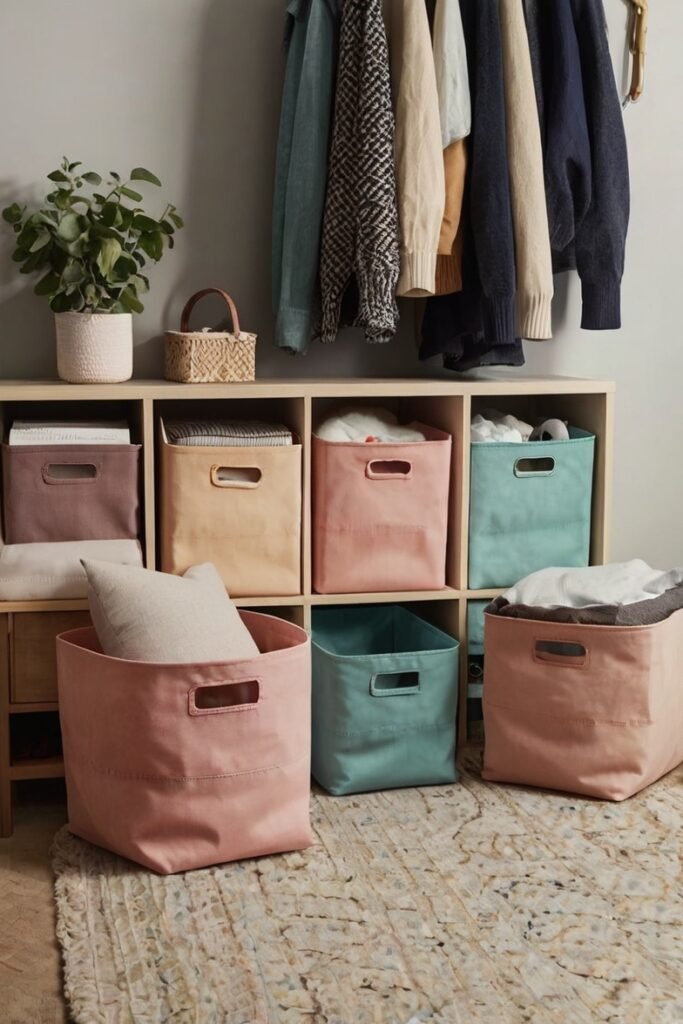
543 465
216 698
70 472
389 469
561 652
241 477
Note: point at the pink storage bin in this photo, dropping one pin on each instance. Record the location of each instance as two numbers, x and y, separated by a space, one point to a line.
380 514
596 710
71 492
159 772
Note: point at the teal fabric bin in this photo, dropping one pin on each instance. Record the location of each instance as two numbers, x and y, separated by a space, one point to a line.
530 507
385 690
475 627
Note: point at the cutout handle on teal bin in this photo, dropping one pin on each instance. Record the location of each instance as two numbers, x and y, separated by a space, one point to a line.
394 684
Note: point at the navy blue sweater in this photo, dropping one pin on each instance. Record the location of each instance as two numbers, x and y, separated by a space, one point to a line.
585 157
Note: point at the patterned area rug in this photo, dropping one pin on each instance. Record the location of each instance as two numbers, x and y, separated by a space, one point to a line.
470 903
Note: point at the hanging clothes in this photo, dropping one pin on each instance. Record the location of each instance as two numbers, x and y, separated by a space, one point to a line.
476 327
586 160
418 154
311 35
533 261
359 261
455 112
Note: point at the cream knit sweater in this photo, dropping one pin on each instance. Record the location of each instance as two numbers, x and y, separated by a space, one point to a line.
419 157
527 189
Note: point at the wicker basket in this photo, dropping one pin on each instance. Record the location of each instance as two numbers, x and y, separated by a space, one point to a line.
206 357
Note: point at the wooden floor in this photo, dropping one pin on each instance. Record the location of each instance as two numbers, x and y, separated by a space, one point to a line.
30 971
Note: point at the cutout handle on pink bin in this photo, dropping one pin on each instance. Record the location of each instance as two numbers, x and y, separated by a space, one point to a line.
217 698
561 652
389 469
241 477
70 472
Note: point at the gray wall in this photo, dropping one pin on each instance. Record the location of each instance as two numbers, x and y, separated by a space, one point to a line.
191 89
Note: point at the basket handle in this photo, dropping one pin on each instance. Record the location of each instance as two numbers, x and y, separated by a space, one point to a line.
194 299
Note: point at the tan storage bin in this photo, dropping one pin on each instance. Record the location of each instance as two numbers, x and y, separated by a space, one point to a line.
239 508
70 492
34 660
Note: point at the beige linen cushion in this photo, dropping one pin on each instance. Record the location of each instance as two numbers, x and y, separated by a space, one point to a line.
142 615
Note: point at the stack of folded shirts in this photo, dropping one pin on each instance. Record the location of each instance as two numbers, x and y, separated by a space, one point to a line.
29 432
228 433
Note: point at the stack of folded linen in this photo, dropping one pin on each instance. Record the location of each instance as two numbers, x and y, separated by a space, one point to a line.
228 433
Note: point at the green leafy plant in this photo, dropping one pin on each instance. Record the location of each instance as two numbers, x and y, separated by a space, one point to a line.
93 244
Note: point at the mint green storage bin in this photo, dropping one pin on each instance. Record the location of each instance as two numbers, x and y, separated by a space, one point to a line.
475 627
385 691
530 507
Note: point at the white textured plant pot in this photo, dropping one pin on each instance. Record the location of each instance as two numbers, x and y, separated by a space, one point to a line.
94 348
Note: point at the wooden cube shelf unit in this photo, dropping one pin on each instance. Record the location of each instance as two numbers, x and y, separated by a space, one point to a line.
28 628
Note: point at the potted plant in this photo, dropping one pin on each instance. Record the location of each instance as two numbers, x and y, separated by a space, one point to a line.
92 248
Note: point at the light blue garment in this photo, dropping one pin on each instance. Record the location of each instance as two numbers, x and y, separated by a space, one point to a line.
301 166
450 63
530 507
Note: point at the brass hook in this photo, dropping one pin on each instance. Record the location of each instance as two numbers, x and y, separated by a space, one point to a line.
637 48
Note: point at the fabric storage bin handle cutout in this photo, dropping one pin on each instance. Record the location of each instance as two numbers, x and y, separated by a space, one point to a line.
404 684
245 477
389 469
70 472
219 698
561 652
543 466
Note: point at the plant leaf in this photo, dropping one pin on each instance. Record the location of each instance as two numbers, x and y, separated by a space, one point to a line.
152 245
73 166
92 177
47 285
42 240
130 193
115 176
73 273
141 222
108 215
177 219
13 214
142 174
130 302
110 250
69 227
57 176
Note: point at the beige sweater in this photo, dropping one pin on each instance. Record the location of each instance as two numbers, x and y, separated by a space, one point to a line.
527 190
419 157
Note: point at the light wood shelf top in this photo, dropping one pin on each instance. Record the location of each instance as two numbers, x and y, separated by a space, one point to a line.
37 768
498 384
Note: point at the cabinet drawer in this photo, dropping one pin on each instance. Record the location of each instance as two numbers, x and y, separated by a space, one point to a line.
34 661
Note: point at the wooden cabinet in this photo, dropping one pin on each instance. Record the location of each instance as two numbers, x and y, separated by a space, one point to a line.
28 628
33 678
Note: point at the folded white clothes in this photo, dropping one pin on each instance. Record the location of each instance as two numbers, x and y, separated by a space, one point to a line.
494 426
620 583
32 432
53 570
368 425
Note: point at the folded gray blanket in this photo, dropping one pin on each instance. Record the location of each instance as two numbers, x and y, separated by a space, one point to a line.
639 613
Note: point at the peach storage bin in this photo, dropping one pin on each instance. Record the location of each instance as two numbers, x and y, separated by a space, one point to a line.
380 514
182 766
239 508
596 710
70 492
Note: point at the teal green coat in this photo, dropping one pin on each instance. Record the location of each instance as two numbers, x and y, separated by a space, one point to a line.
301 166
